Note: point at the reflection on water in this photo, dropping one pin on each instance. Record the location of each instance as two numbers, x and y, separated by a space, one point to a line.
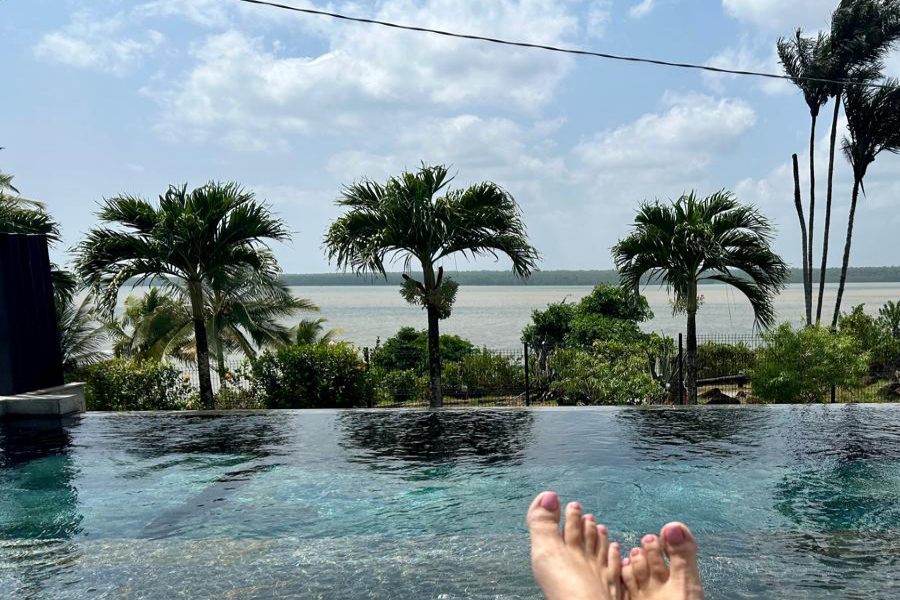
794 503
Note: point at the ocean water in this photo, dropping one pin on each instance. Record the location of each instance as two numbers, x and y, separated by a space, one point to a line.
494 316
787 502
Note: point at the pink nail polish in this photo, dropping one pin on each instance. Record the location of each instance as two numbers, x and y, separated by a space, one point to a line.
649 538
626 561
635 551
588 517
550 501
674 534
575 505
602 530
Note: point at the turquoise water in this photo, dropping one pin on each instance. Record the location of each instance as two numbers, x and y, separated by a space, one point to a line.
787 502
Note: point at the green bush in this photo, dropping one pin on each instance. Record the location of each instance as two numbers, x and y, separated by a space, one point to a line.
587 329
408 349
802 365
549 327
616 302
317 376
875 336
611 373
483 372
397 387
715 359
119 384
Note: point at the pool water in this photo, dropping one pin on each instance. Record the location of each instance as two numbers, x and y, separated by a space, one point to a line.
786 502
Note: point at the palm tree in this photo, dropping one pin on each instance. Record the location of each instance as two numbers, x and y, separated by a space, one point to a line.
805 61
312 331
862 32
405 218
82 338
154 326
695 239
873 125
189 237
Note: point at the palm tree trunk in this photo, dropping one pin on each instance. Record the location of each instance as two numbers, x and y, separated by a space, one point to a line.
434 357
690 376
804 243
827 230
206 391
220 353
812 212
840 294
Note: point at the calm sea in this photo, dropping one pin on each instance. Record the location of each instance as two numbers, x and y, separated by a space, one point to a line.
494 316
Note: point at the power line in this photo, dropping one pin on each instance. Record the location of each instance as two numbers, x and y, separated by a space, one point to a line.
634 59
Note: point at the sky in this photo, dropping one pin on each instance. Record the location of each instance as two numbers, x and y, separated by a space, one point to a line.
103 97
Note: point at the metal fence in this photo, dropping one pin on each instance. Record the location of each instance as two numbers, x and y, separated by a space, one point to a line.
523 377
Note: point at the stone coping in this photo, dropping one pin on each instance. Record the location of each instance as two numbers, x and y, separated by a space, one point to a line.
57 401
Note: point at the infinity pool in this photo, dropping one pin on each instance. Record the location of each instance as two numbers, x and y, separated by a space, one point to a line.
787 502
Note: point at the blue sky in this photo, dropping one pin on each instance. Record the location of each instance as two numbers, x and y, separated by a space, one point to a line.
108 96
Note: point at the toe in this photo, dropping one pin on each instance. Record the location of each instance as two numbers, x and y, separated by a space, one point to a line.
652 550
629 579
640 567
573 530
602 544
614 562
543 514
681 548
591 538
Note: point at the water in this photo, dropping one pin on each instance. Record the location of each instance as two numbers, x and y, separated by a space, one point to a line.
494 316
794 503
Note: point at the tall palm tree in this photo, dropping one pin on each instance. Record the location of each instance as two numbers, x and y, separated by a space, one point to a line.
188 237
695 239
862 32
806 62
407 219
873 125
153 326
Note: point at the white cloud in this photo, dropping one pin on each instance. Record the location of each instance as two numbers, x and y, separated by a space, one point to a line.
91 43
208 13
599 15
672 145
243 86
642 9
782 15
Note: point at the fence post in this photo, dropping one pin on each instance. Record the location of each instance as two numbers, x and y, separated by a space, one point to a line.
680 369
833 394
527 382
369 398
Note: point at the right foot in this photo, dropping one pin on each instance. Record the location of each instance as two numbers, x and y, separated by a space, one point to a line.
647 576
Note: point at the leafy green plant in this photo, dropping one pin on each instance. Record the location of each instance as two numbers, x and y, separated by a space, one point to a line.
616 302
611 373
120 384
408 349
715 359
400 386
312 376
483 372
589 328
875 336
802 365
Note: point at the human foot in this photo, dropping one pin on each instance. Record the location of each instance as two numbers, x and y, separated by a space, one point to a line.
567 566
608 561
647 576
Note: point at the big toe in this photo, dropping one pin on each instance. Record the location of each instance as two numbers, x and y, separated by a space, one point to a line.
681 548
543 514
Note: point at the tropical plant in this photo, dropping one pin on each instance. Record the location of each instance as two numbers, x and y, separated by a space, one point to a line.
408 349
82 338
406 219
313 376
153 326
120 384
862 32
806 62
873 125
694 239
216 230
803 365
312 331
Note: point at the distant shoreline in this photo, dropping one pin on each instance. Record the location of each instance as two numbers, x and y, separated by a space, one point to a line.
560 277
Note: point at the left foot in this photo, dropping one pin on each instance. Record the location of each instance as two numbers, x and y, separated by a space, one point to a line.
567 566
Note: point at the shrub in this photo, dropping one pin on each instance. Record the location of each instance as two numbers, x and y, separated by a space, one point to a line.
610 373
483 372
397 387
715 359
616 302
131 385
587 329
317 376
408 349
875 336
802 365
549 327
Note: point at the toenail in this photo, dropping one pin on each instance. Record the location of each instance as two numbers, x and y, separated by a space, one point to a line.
550 501
615 547
574 505
601 529
626 561
649 538
635 551
588 517
674 534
